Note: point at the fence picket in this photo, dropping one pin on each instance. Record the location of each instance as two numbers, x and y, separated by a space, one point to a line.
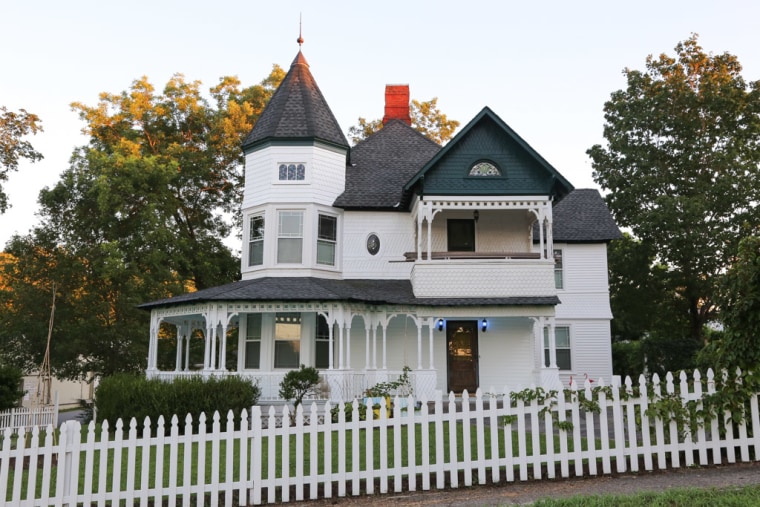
590 434
604 432
453 449
425 434
411 434
493 428
646 430
466 440
535 435
355 450
577 442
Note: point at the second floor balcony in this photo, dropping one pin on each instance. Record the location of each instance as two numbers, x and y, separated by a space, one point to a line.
483 248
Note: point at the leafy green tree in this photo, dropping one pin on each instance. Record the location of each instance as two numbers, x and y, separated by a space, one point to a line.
13 128
140 214
681 167
10 387
650 327
426 119
740 310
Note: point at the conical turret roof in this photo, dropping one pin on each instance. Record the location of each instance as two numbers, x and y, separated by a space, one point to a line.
297 110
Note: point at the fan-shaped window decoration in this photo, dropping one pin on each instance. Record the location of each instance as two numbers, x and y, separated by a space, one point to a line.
484 169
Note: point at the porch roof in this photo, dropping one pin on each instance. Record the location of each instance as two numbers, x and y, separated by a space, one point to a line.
396 292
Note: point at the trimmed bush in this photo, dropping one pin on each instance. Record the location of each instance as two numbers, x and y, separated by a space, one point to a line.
125 396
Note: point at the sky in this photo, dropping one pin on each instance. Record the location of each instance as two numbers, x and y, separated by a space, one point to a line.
545 67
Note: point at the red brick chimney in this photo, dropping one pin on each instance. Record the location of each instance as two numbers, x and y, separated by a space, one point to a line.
397 103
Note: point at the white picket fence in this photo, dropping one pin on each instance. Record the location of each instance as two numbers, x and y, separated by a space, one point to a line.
447 443
25 418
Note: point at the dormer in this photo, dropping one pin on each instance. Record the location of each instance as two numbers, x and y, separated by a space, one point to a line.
295 162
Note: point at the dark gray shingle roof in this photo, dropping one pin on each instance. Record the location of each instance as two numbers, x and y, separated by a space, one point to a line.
397 292
297 110
582 217
382 164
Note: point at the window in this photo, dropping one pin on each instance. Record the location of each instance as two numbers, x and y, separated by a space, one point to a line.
562 343
290 237
484 168
287 340
292 172
461 235
326 240
322 356
253 341
256 241
558 283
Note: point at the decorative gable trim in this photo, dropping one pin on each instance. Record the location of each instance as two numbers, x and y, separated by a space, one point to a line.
559 186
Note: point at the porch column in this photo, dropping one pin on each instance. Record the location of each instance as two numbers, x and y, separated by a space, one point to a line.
549 236
429 217
538 336
222 365
385 342
541 225
348 345
419 232
340 346
153 344
552 344
187 347
367 326
419 343
178 361
330 347
374 345
431 327
207 347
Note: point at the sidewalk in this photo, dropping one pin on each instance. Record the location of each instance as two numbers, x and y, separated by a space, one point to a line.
525 493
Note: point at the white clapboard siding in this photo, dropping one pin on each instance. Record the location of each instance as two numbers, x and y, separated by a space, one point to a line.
283 463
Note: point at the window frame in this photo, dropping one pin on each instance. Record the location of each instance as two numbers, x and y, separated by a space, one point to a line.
321 341
559 269
296 166
252 240
326 241
567 351
251 338
295 343
284 238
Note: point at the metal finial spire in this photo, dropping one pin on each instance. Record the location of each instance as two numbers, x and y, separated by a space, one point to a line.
299 40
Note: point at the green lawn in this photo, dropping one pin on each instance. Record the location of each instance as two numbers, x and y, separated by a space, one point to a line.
729 497
294 465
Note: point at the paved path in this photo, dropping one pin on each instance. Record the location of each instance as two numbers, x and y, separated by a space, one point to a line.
525 493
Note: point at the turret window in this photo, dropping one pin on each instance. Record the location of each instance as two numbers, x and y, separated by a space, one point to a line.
290 237
326 238
256 241
292 172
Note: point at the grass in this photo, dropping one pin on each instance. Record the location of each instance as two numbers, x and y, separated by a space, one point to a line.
304 465
728 497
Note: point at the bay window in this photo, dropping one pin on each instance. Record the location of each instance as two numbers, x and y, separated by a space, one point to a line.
326 237
290 237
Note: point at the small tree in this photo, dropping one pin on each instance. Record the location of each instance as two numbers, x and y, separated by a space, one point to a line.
298 384
10 387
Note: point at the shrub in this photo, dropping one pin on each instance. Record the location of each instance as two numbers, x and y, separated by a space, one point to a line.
125 396
297 384
10 387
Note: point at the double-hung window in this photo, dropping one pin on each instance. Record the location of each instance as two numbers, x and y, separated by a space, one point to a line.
327 233
562 345
322 356
287 340
256 241
558 281
290 237
253 341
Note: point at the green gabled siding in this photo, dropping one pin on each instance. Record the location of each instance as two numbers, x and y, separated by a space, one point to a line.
521 173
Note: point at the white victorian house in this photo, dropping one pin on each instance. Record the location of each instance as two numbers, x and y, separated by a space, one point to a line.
476 264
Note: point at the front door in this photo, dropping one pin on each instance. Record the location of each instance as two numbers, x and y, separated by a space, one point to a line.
462 346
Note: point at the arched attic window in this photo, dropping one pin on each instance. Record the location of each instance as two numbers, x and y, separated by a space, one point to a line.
484 168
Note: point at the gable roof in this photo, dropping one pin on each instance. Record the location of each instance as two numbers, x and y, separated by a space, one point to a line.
553 182
297 110
396 292
582 217
381 165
